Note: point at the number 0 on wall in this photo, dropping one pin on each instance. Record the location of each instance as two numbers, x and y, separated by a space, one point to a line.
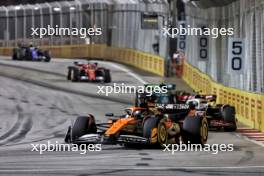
236 55
203 47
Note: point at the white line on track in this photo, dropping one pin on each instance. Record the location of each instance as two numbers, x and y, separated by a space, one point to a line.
129 72
134 168
251 140
252 133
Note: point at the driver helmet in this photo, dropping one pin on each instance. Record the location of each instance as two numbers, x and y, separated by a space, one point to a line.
31 45
191 105
138 114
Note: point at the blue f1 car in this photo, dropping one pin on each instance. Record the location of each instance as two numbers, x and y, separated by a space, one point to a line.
30 53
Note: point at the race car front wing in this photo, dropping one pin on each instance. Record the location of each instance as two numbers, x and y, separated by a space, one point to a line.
121 139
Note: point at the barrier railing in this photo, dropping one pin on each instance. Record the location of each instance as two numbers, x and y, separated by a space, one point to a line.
249 106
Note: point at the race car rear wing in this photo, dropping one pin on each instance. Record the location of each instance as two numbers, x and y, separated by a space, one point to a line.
207 97
172 106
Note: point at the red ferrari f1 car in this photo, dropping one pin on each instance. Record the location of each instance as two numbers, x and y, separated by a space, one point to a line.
88 72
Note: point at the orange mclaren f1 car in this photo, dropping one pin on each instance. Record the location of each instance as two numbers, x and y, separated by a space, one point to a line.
143 125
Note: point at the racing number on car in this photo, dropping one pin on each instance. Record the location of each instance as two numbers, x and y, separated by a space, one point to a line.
236 54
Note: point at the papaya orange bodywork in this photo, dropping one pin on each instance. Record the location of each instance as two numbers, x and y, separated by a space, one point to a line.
122 122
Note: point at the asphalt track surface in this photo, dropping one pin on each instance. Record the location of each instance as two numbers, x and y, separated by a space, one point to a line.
37 104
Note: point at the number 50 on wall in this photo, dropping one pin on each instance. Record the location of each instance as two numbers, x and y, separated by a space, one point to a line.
236 55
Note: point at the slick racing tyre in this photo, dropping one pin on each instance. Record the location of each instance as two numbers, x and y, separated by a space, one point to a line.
107 76
83 125
150 129
47 56
73 74
69 73
162 134
195 130
228 113
15 54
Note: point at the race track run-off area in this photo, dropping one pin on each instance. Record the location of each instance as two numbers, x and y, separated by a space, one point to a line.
38 103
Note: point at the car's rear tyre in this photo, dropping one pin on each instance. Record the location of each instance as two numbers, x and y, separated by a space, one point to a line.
28 55
83 125
14 57
15 54
47 56
228 114
73 74
149 126
195 130
162 134
69 73
107 76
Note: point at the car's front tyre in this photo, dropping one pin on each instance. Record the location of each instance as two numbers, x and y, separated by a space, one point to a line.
83 125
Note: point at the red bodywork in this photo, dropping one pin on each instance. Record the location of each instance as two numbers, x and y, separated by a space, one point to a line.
184 98
89 70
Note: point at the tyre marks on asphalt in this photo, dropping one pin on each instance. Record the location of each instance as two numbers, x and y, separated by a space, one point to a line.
144 159
248 155
25 101
26 111
34 100
14 127
11 98
19 129
30 78
38 104
143 154
142 164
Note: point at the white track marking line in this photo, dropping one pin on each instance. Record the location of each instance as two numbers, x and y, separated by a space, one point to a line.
129 72
256 136
251 140
250 133
135 168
